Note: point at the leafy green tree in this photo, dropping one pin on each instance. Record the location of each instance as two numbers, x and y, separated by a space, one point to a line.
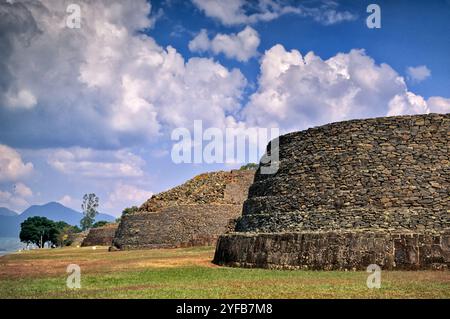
41 230
126 211
61 225
63 236
249 166
64 232
76 229
89 207
38 230
130 210
100 223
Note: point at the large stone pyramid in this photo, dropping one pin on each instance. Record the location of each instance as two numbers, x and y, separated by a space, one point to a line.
192 214
348 195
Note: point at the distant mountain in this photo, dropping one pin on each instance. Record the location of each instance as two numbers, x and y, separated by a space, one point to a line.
7 212
10 225
58 212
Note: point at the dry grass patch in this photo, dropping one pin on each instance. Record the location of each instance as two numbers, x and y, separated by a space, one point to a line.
189 273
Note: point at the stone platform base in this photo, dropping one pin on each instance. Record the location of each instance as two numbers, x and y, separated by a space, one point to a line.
352 250
101 236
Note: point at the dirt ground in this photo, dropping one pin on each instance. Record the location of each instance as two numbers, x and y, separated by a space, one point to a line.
189 273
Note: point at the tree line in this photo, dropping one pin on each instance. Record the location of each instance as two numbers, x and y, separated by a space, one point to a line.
39 230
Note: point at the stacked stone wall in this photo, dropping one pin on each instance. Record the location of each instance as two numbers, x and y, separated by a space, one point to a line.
384 175
192 214
100 236
76 239
335 250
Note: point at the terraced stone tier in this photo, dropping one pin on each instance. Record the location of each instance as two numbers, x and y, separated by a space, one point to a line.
175 226
334 250
100 236
192 214
357 174
415 219
340 183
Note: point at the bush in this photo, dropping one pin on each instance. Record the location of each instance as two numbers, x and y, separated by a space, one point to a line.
249 167
100 223
130 210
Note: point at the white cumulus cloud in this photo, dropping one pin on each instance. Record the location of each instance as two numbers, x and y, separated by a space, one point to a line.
96 163
22 190
408 103
236 12
418 73
66 200
241 46
126 195
16 198
296 92
13 202
22 99
105 84
12 167
438 104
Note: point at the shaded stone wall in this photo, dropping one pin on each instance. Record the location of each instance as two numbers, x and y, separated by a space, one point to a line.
76 239
192 214
100 236
176 226
384 174
335 250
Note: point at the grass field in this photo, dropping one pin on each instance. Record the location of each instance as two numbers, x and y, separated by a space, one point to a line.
188 273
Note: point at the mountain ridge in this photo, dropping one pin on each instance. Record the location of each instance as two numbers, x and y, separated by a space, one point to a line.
7 212
10 224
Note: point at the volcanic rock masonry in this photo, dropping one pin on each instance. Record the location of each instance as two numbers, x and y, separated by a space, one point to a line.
192 214
100 236
350 194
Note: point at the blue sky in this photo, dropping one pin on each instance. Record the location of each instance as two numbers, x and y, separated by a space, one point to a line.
412 33
92 109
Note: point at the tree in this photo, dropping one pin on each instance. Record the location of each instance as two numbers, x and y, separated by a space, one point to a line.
64 232
126 211
89 207
38 230
100 224
249 166
130 210
63 236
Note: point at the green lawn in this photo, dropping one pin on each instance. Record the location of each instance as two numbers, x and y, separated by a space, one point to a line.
188 273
